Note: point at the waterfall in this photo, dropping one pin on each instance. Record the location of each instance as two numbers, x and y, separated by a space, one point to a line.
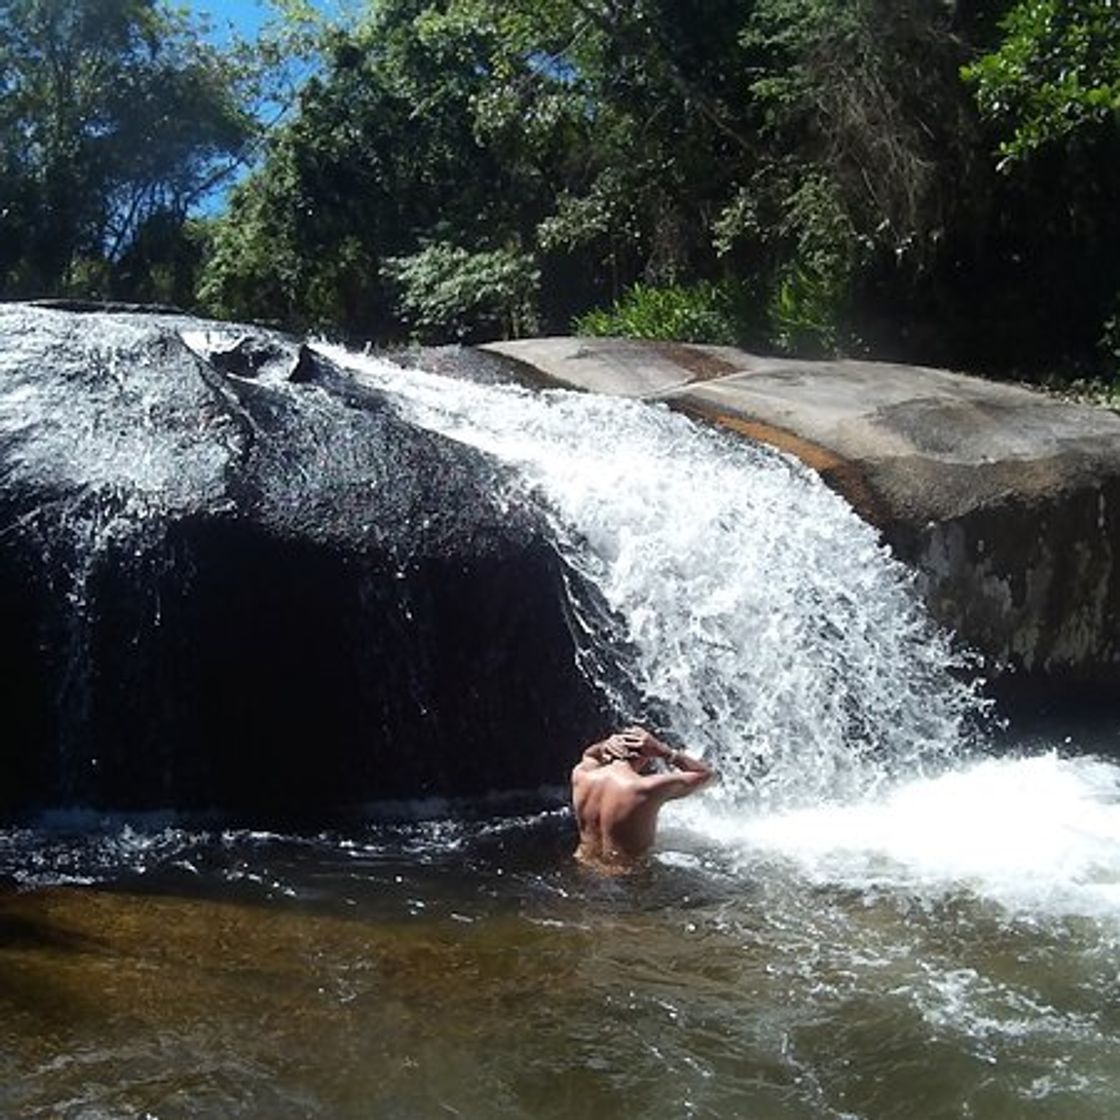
738 604
206 573
745 611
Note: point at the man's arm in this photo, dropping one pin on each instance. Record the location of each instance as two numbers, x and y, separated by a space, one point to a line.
690 773
687 773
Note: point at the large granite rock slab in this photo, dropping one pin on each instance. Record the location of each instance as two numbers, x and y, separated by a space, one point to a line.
233 579
1006 501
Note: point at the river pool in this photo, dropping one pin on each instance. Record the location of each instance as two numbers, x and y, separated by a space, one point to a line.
939 951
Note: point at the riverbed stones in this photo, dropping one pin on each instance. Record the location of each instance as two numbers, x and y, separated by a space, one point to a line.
1005 501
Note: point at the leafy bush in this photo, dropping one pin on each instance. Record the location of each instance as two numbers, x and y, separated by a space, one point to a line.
1056 73
1110 340
704 312
87 278
804 313
449 292
801 315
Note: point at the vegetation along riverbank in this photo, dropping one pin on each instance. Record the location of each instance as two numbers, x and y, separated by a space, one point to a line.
923 182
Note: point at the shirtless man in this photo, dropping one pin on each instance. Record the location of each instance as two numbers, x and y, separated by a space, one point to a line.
617 794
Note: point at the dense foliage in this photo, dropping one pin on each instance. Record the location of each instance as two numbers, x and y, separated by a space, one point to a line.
115 119
1050 96
918 179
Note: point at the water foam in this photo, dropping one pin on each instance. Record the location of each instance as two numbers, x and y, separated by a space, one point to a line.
1037 834
100 424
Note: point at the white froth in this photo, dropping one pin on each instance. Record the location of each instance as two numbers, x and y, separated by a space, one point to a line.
1032 833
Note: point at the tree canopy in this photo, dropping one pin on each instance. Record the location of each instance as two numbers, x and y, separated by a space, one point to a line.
115 119
907 178
1055 73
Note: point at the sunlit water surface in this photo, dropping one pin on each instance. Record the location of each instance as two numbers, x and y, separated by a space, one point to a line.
875 913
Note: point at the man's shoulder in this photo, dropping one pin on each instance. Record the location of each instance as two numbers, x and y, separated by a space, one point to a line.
615 777
583 774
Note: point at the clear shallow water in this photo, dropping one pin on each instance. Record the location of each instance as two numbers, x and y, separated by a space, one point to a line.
869 917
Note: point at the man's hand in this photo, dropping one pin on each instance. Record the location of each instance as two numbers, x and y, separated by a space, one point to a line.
616 748
649 746
621 746
638 740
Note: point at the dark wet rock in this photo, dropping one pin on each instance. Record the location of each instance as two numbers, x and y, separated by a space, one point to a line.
249 356
307 367
466 363
265 598
1006 502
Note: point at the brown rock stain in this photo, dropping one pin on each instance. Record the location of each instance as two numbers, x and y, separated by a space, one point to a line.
700 364
840 474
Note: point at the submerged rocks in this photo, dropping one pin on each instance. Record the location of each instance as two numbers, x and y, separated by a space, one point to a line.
226 590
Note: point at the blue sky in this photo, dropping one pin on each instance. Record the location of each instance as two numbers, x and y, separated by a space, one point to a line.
245 16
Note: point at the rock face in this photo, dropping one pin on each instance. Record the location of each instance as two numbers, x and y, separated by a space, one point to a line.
226 590
1005 501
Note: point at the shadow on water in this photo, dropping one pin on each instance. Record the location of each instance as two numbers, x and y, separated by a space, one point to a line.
23 932
529 856
1077 724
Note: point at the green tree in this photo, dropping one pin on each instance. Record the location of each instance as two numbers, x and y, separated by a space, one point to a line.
382 159
446 289
1050 94
114 115
567 129
813 173
1055 73
815 148
634 114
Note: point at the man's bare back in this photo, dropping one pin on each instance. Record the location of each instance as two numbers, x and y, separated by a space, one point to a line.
616 799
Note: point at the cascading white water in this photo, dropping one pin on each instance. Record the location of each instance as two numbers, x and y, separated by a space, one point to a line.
760 616
764 622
